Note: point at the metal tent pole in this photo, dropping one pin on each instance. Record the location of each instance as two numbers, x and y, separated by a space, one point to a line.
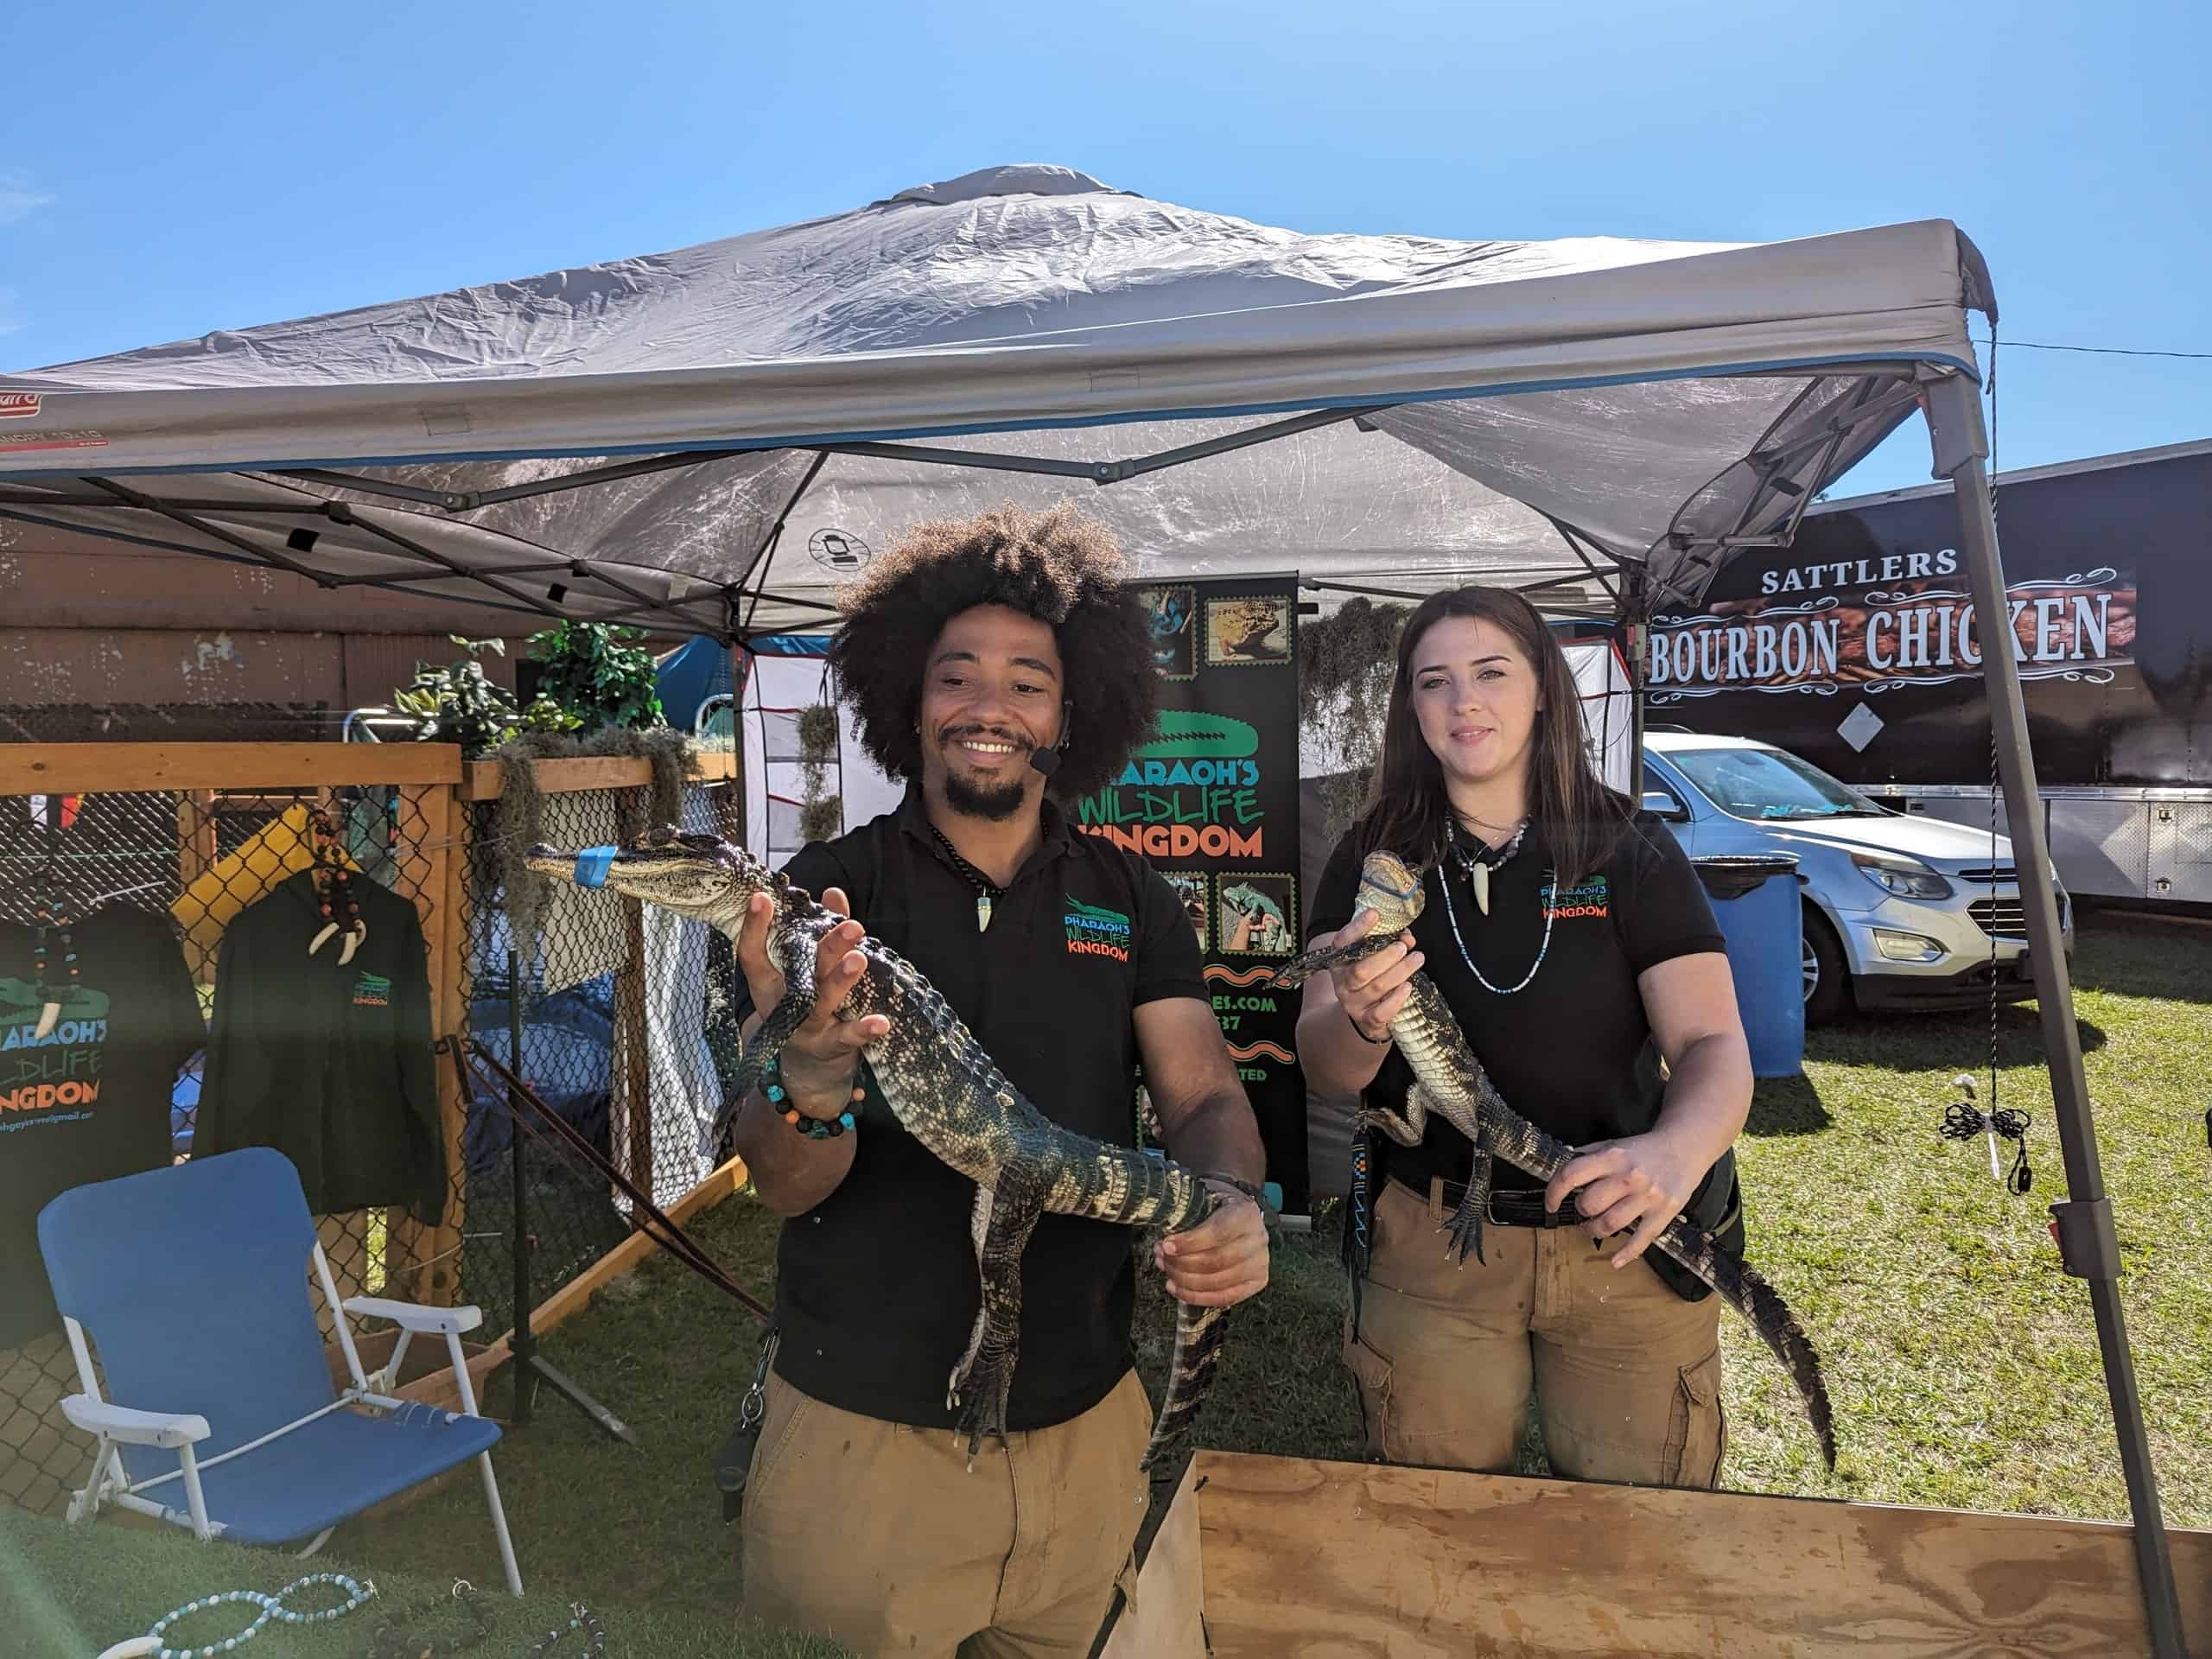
2088 1245
1636 627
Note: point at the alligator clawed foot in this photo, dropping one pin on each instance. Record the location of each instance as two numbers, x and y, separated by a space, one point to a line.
1301 967
1389 1121
983 1408
1466 1233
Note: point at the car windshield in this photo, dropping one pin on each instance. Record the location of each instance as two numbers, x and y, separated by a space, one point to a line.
1768 783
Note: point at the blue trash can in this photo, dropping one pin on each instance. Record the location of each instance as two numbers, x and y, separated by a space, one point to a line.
1755 902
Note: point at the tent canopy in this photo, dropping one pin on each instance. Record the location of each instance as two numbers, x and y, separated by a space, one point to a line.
712 438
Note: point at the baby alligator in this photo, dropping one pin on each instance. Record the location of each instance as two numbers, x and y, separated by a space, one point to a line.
1449 1081
949 1095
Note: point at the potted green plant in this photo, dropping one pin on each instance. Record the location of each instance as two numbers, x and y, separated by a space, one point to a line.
597 673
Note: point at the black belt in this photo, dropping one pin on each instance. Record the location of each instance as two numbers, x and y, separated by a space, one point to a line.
1513 1206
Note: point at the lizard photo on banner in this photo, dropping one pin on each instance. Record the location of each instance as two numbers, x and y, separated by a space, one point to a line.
1211 801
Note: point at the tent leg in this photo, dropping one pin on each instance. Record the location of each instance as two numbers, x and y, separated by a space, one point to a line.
2087 1244
1636 629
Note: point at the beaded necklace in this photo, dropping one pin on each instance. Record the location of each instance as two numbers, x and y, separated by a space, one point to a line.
273 1609
1481 884
581 1618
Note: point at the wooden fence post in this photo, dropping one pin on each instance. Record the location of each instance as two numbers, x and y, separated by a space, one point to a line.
432 1255
633 1080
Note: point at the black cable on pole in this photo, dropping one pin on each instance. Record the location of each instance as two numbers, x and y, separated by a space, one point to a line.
648 1216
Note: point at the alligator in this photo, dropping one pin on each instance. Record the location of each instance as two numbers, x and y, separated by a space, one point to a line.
1449 1081
1193 734
939 1083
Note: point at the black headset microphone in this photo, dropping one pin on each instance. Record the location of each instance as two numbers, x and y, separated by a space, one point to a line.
1046 762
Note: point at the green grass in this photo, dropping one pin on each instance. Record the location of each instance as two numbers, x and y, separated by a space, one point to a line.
68 1593
1962 1360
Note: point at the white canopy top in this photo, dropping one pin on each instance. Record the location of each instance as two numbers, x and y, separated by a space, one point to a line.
1513 411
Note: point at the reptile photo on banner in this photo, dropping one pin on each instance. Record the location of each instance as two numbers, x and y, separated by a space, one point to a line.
1194 887
1212 800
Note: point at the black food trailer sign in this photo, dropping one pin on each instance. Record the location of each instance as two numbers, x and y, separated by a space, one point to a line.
1859 646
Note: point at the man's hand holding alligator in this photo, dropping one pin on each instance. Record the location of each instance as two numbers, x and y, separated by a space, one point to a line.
1222 1260
822 1058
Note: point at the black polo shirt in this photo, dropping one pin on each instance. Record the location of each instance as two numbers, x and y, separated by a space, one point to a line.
1572 1052
876 1286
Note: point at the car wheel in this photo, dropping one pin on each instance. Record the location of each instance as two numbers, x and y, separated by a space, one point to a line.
1827 979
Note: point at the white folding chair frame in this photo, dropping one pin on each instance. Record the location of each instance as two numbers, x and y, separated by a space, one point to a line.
115 1427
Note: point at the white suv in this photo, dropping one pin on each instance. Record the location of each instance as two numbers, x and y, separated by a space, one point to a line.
1900 912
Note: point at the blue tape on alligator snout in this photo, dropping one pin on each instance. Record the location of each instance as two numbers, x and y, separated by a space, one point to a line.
592 865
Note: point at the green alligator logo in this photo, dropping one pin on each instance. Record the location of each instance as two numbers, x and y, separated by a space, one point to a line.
372 991
1189 735
1095 930
1095 915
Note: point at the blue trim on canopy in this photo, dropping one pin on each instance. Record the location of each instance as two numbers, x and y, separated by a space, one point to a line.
788 644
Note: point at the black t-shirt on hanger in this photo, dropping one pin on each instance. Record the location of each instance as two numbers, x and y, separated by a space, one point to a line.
90 1102
329 1062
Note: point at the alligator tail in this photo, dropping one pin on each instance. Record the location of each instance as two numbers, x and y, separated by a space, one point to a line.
1134 1189
1200 1333
1743 1288
1521 1143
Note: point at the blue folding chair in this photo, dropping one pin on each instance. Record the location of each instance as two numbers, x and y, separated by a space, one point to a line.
190 1283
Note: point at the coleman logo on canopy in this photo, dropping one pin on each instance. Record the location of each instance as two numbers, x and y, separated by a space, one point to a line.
838 550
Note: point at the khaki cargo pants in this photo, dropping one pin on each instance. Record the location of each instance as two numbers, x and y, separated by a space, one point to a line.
877 1534
1626 1374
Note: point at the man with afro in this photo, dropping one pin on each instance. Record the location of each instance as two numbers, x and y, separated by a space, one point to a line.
993 665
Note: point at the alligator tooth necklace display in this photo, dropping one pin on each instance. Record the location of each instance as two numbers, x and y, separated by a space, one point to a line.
1479 874
1479 865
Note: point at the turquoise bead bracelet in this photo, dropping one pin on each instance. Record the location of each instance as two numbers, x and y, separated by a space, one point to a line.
814 1129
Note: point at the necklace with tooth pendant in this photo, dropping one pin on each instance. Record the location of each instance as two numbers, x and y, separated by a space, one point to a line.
987 891
1479 867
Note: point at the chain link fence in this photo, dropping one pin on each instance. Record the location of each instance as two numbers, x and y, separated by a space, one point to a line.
624 1012
195 860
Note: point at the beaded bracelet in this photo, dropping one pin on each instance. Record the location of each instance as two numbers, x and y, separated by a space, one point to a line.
581 1618
814 1129
272 1607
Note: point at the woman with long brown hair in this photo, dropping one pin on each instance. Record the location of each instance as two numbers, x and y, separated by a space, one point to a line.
1576 949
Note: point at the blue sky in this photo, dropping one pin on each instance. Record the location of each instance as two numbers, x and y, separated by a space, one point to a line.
182 169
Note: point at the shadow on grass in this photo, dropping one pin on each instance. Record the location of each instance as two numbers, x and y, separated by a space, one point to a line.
1786 1106
2124 953
1957 1041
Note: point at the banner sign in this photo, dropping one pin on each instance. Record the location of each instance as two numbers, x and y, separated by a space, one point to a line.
1211 800
1857 648
1870 633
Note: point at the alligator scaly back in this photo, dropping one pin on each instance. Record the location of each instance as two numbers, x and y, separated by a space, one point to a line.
1452 1082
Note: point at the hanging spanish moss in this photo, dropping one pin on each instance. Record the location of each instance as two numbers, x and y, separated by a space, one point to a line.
520 820
1344 666
822 810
